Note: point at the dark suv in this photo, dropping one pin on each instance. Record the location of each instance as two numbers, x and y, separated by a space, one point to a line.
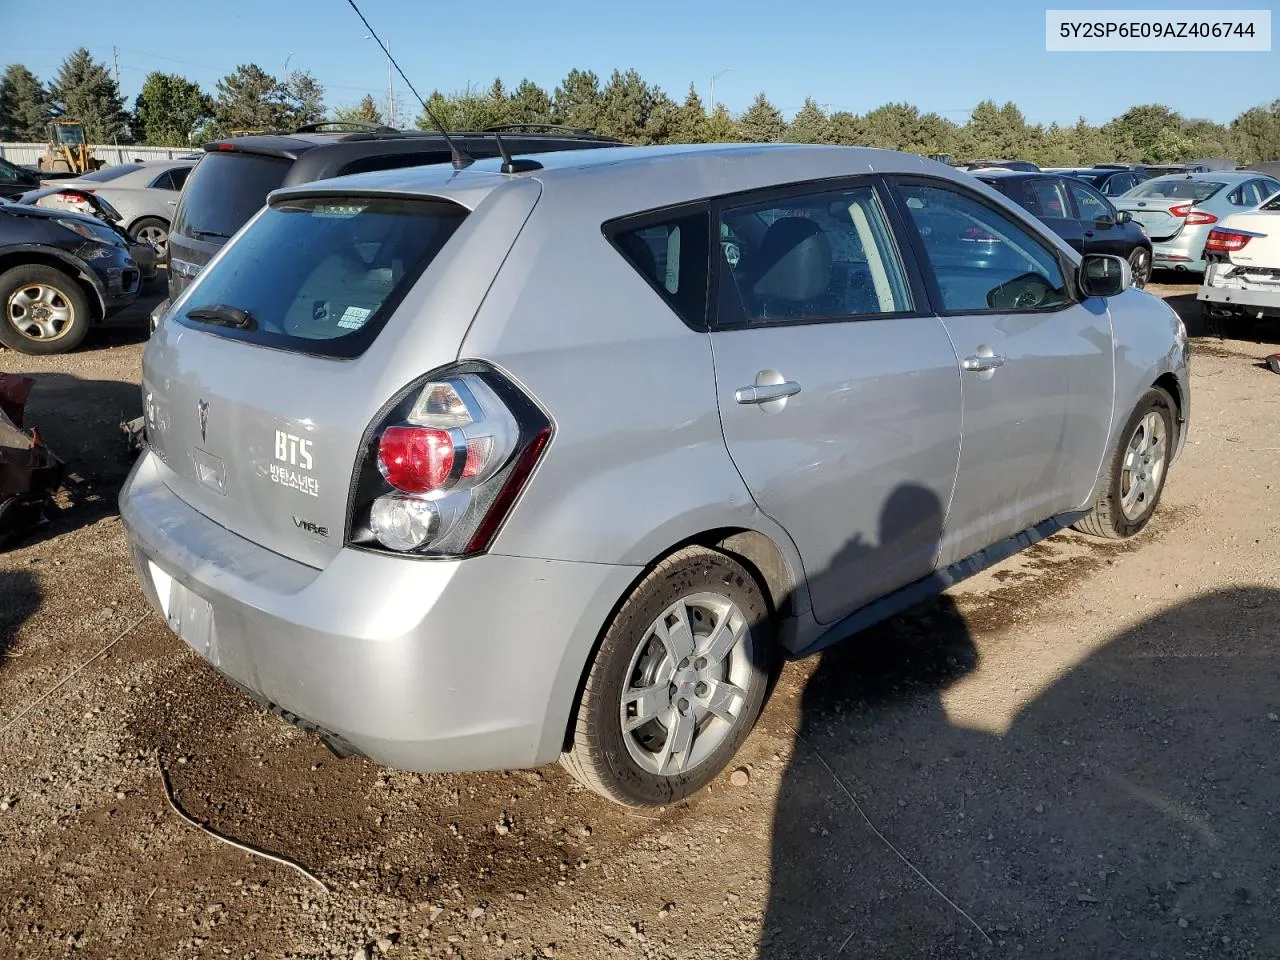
232 180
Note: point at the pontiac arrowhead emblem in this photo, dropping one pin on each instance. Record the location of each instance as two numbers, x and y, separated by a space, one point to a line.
202 409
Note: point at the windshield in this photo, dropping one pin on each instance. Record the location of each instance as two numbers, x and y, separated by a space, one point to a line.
320 275
1175 188
224 191
110 173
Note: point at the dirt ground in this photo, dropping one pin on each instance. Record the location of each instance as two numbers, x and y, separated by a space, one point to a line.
1078 750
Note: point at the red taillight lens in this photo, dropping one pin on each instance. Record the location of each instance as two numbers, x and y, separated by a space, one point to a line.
1181 210
416 459
977 234
1226 241
1199 216
445 463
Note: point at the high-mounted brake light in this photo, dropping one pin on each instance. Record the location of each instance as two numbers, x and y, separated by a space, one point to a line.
444 466
1228 241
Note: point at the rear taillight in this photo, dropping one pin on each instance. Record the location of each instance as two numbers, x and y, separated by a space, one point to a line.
443 465
1228 241
1196 217
1181 210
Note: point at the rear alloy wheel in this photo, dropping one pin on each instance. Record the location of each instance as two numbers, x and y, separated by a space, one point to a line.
1137 472
45 311
1140 265
677 683
152 231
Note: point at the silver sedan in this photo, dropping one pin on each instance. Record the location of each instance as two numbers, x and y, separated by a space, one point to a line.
145 193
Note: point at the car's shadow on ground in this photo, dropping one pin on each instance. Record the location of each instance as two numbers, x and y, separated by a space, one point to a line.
1200 324
1129 810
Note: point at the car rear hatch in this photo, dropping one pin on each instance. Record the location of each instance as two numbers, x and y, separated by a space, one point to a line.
261 383
1162 206
225 189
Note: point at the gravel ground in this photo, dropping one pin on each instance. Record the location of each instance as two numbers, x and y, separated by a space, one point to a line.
1077 749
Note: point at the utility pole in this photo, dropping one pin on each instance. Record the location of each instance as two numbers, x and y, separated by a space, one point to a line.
391 102
115 62
714 78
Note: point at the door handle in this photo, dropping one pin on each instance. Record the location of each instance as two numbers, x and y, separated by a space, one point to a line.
172 203
765 392
982 364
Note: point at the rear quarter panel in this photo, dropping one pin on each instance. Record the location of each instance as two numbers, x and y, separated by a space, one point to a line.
638 461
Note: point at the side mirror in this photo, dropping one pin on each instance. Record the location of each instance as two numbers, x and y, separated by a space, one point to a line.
1123 216
1104 276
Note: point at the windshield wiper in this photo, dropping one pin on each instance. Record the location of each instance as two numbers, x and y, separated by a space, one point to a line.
224 315
212 233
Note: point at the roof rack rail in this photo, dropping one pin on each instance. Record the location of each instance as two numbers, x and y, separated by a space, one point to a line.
557 127
324 126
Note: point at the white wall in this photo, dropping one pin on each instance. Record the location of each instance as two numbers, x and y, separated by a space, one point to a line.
28 154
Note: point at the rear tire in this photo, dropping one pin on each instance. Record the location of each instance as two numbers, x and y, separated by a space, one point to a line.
1137 472
677 683
152 231
1140 265
42 310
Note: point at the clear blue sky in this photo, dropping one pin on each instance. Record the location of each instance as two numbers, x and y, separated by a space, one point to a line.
938 54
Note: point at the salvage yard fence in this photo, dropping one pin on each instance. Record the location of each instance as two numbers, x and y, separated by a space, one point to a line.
29 154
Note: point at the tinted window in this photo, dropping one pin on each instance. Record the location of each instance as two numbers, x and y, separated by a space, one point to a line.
1176 188
814 256
1047 198
110 173
392 161
224 191
1091 206
1117 185
179 175
981 259
672 256
1272 204
163 182
322 275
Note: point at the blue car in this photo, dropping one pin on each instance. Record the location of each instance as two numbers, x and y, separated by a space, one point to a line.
1178 211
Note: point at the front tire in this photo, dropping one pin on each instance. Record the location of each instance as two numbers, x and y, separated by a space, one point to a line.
43 310
1136 476
677 683
152 231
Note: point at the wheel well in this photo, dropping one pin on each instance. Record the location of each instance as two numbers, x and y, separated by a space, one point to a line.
755 551
1169 384
9 261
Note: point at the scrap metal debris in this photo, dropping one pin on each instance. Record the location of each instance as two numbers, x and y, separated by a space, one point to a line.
29 471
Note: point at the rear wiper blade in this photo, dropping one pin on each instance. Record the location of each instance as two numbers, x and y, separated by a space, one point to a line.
212 233
224 315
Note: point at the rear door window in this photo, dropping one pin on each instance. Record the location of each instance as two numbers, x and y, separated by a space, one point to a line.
163 182
1047 198
224 191
1091 205
320 275
814 256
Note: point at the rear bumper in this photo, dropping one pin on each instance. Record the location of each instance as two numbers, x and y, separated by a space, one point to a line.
422 665
1185 251
1267 301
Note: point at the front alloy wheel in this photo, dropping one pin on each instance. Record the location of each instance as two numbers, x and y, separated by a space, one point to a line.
1140 266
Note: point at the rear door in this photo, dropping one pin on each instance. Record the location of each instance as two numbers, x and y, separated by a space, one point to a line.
1047 198
1036 365
838 389
1102 233
260 383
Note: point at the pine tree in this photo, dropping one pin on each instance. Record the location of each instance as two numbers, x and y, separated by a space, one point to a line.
691 121
576 101
169 110
303 97
625 104
85 92
762 122
366 111
809 125
25 105
251 99
721 127
529 103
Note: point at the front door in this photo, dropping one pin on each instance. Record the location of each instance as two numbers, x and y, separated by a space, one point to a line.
1036 366
1102 233
839 393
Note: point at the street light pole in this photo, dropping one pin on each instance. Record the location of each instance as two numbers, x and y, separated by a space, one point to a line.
714 78
391 103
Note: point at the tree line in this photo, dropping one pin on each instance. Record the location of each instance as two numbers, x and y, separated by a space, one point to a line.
171 110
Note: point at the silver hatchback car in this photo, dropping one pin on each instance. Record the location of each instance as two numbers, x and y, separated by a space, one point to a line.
482 468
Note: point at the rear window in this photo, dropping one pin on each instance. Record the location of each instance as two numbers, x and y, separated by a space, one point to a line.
321 275
110 173
1176 189
670 252
224 191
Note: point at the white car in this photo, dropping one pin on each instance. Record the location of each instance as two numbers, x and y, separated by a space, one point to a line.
1243 274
